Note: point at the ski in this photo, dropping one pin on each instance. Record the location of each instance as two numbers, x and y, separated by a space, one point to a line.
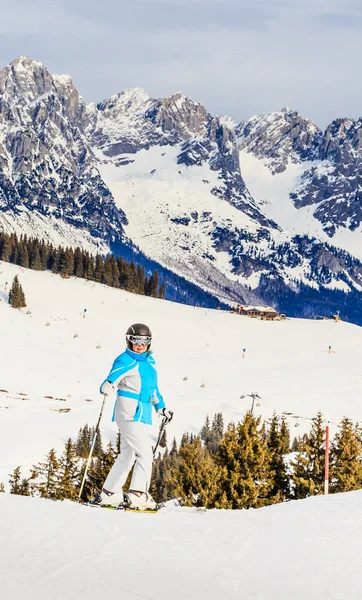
122 508
125 505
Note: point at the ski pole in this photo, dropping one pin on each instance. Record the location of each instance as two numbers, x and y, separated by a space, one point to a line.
166 419
92 447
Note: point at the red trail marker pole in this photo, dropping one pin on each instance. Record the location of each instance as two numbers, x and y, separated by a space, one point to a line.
326 463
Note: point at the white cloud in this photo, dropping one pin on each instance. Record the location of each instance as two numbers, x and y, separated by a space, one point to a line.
236 57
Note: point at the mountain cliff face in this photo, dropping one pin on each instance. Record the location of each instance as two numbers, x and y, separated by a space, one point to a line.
46 163
331 182
162 177
280 138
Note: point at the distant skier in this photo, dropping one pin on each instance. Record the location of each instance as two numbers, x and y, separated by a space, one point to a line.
134 375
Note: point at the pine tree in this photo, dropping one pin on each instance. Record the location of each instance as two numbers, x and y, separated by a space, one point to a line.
197 477
108 272
23 259
152 289
47 475
78 263
98 269
66 262
69 476
98 471
34 258
205 433
308 466
2 487
278 445
243 454
6 249
211 435
162 291
346 458
17 485
16 294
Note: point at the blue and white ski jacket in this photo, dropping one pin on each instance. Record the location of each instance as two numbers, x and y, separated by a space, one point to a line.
135 376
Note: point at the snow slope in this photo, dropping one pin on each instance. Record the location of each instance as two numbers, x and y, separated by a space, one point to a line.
271 192
172 213
52 359
305 550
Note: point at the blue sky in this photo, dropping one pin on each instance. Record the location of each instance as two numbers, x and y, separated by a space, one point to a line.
238 58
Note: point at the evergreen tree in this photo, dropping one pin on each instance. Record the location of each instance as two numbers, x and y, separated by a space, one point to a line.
346 458
163 482
2 487
243 454
132 279
197 477
78 263
205 433
34 259
285 436
16 294
308 466
23 258
98 471
152 289
98 269
278 445
17 485
66 262
68 479
108 272
141 274
47 475
6 249
162 291
211 435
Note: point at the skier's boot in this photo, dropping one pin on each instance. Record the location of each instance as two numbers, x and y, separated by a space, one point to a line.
142 502
111 499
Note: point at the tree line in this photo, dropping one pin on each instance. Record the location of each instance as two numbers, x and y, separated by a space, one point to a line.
248 465
32 253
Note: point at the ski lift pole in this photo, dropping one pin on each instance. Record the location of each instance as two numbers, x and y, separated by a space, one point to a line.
166 419
92 447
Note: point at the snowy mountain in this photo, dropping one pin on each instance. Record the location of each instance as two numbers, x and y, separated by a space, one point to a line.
162 178
315 174
47 167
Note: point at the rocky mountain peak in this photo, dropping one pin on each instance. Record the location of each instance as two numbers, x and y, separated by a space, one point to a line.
127 103
342 138
279 137
24 80
180 116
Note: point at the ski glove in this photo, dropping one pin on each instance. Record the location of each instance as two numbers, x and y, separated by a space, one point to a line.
164 413
107 388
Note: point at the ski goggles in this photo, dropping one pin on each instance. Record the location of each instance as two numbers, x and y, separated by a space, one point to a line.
139 340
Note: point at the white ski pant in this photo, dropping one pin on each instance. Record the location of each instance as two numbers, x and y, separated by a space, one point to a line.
136 447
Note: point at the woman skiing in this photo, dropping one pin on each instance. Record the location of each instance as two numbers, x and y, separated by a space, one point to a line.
134 376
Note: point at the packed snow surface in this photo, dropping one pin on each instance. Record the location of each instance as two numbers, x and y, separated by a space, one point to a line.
307 549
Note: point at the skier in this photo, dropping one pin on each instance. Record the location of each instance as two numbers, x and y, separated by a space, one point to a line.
134 376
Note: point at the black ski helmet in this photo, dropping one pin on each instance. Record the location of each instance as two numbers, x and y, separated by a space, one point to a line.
137 329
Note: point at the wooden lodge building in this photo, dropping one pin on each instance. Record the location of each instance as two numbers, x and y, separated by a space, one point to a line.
266 313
